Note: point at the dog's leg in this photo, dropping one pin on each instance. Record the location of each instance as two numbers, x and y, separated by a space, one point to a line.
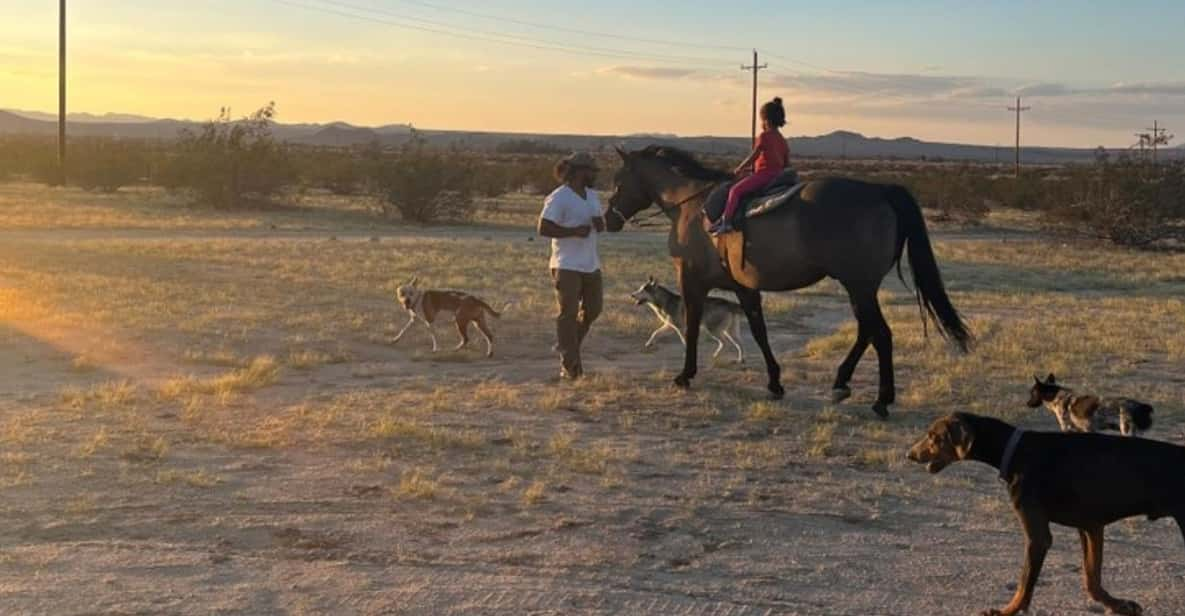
485 332
1037 542
650 342
463 329
719 344
679 332
1092 574
730 338
406 326
431 334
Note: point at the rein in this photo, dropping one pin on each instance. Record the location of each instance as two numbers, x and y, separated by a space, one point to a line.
663 209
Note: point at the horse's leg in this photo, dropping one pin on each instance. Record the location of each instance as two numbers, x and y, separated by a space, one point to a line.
694 295
882 341
751 304
840 390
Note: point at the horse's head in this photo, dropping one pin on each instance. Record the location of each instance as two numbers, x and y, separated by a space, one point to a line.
631 193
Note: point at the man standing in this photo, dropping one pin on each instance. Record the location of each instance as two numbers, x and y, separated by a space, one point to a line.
572 218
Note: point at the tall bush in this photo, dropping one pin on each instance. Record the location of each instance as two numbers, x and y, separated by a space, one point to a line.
229 163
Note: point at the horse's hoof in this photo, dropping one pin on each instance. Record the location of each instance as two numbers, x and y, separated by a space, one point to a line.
682 382
881 409
776 391
839 394
1126 608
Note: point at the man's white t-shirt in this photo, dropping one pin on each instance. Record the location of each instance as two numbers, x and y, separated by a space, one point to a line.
566 208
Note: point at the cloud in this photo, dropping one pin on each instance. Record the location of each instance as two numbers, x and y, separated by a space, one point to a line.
1044 89
1166 88
648 72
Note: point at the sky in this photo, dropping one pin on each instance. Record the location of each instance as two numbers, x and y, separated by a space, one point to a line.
1094 73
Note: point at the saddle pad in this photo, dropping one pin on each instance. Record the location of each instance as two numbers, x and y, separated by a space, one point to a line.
779 193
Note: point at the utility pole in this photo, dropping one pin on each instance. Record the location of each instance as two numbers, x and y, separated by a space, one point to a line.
1157 137
62 91
1018 109
755 67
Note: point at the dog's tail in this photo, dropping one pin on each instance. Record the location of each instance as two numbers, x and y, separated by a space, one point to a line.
494 313
1140 414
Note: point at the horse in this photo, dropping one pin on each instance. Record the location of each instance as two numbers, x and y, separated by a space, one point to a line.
853 231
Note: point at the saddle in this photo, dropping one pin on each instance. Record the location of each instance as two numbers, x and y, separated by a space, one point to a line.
778 193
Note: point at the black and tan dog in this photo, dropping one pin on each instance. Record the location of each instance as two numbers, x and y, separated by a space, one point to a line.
426 305
1083 413
1083 481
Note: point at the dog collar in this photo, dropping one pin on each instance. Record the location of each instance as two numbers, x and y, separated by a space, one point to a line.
1009 452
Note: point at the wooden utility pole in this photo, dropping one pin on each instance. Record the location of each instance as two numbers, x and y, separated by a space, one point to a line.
1018 109
1157 137
62 91
755 67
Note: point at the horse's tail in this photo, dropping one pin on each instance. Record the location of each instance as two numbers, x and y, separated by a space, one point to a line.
927 280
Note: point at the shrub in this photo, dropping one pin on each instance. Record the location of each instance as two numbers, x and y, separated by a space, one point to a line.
425 185
228 162
1127 202
338 171
105 165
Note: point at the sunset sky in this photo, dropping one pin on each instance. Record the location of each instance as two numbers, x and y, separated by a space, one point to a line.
1093 74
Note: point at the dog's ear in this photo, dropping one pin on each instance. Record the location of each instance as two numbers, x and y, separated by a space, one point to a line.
414 280
650 279
1051 380
961 436
1037 380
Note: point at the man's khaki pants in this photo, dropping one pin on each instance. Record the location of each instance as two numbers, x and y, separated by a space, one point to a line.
579 296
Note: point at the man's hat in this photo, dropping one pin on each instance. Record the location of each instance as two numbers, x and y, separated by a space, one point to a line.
581 159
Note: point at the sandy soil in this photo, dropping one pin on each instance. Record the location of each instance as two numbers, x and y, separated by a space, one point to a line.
694 504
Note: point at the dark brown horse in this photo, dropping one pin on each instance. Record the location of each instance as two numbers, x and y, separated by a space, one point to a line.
852 231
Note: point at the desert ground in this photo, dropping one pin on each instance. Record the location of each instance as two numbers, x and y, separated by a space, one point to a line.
204 413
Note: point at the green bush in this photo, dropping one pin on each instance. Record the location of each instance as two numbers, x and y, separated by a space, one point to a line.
1127 202
105 165
425 186
229 163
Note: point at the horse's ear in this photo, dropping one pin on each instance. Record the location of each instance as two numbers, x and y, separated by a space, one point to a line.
625 156
413 281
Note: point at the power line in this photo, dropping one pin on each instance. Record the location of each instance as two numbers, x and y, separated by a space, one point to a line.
496 37
430 22
531 24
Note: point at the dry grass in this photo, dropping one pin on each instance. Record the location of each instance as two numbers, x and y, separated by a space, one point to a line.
259 328
257 374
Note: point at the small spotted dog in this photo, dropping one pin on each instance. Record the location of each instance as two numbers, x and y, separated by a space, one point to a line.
426 305
1075 413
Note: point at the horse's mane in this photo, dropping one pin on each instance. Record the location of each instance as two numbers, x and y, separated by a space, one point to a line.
683 163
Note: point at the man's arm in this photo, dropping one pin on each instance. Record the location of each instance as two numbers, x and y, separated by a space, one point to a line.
548 228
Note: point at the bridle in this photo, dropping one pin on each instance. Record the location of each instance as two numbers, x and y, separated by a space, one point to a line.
662 208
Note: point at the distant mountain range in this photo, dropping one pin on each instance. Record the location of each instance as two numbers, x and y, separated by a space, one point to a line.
340 134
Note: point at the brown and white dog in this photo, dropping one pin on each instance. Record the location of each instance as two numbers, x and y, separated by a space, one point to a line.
1084 413
427 305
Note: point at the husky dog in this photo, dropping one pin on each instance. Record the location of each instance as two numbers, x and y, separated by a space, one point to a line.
1077 413
721 317
426 305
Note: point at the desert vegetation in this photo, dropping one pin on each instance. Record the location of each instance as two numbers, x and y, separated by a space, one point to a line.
236 164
